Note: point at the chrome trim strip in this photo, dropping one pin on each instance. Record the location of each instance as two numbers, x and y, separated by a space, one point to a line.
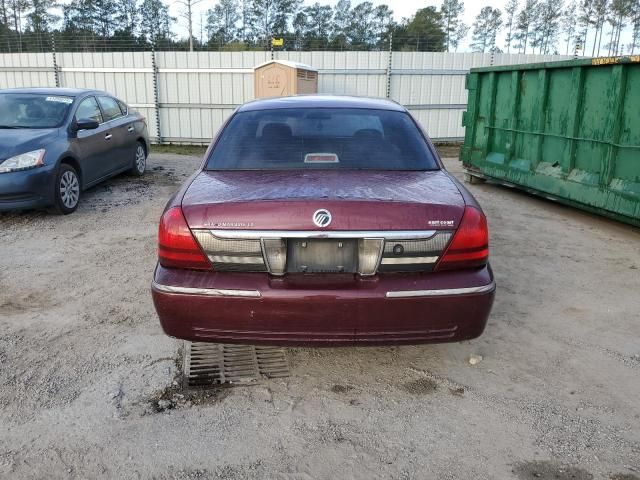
237 259
442 292
408 260
383 234
211 292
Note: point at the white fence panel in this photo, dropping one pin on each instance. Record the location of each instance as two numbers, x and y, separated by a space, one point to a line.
194 92
197 91
26 70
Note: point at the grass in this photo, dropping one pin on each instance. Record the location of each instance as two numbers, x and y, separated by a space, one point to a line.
193 150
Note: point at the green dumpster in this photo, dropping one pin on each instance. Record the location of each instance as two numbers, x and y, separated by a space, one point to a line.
569 131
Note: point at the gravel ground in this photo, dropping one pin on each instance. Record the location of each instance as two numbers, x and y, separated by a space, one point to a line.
87 377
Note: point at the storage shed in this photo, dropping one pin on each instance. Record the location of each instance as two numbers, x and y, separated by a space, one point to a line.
279 78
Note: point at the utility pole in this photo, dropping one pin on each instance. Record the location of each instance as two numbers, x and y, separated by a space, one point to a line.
201 28
189 17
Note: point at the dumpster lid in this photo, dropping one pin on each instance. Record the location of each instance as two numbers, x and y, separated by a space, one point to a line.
288 63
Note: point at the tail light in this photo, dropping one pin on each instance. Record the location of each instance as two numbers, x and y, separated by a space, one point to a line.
176 246
470 244
413 255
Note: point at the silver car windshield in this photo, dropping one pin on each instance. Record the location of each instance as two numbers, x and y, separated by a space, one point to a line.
28 110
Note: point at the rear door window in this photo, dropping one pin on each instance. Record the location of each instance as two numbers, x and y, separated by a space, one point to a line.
123 107
110 108
88 108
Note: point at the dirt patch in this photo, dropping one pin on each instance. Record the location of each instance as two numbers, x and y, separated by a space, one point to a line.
341 388
550 471
421 386
84 363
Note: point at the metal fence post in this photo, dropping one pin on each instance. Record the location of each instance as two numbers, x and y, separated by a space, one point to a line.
156 99
56 72
389 64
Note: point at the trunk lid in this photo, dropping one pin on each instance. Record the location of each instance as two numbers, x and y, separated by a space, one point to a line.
357 200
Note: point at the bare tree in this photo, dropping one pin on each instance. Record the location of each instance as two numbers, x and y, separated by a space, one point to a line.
188 16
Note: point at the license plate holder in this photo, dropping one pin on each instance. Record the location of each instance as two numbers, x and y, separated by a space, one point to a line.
322 255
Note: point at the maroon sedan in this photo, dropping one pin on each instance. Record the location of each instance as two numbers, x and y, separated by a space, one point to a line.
323 221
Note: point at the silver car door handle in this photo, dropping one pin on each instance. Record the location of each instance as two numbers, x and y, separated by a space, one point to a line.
108 136
130 129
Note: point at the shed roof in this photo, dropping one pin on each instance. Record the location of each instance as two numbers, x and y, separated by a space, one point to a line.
288 63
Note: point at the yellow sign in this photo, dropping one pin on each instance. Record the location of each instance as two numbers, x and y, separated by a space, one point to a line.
614 60
277 42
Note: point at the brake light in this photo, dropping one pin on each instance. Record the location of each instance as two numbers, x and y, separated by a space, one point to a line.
470 244
176 246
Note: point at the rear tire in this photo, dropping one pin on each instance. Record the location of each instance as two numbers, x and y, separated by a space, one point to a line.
139 161
67 190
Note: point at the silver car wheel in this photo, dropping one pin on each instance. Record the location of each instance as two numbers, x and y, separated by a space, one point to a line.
141 159
69 189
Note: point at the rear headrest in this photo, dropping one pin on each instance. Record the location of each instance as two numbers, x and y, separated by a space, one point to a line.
277 130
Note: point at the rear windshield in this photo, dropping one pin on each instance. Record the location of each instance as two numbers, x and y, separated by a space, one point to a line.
321 138
27 110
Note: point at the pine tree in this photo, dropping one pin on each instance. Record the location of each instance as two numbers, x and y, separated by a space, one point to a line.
383 25
15 13
600 8
451 11
319 19
424 32
550 16
222 22
156 21
127 16
525 24
568 24
620 12
510 11
40 19
4 12
341 23
104 17
361 26
635 22
585 20
459 35
486 28
271 18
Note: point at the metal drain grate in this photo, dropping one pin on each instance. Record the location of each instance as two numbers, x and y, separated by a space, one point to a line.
211 364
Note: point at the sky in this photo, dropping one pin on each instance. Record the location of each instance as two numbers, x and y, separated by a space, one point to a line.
401 9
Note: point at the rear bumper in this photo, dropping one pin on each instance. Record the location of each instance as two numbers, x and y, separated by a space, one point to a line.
27 189
323 311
